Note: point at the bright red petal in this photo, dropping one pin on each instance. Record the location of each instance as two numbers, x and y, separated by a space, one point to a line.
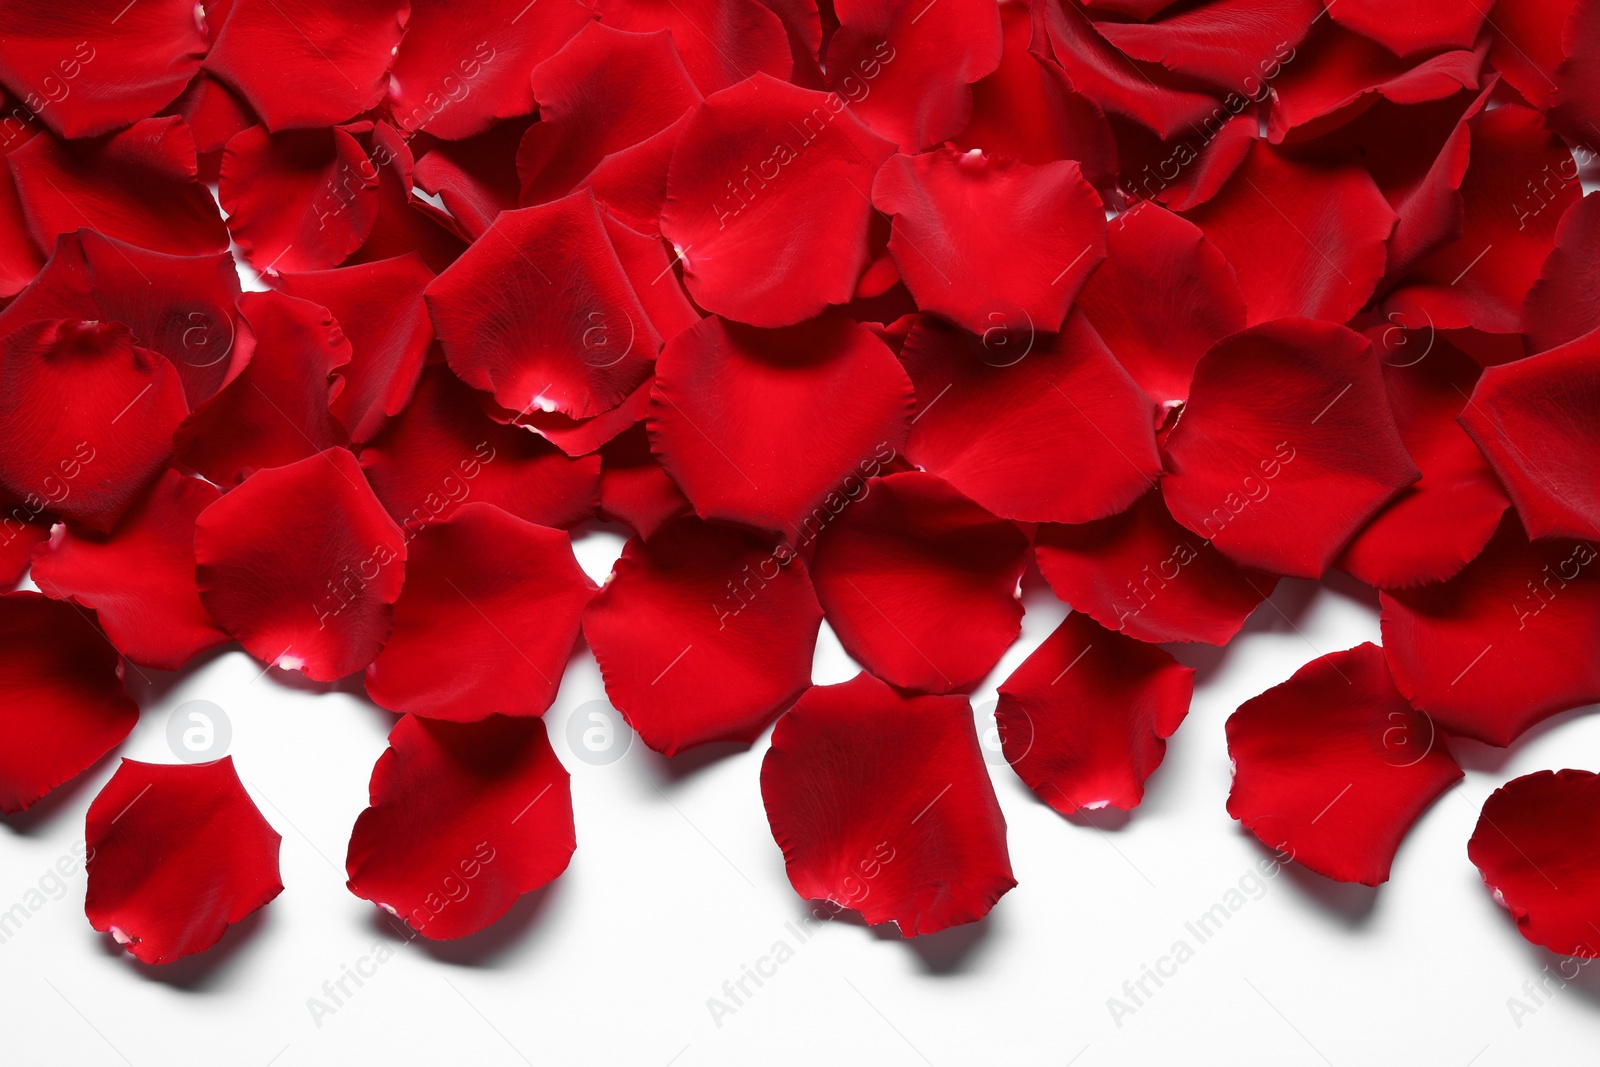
302 566
634 489
1232 44
1084 720
882 803
703 633
177 854
464 819
1564 304
722 42
1408 27
1333 766
66 707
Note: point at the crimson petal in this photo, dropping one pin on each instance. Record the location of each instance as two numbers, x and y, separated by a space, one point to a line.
881 803
1228 43
721 41
1410 27
1564 304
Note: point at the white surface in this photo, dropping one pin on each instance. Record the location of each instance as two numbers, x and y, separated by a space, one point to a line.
677 886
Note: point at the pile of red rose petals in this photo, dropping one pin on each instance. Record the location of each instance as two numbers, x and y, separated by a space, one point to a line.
851 311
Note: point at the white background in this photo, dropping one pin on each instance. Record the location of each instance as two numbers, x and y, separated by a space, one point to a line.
677 885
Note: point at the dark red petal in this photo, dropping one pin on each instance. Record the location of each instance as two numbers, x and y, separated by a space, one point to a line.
1535 420
1143 575
1535 847
177 853
703 633
1028 110
304 64
1142 92
486 622
906 66
634 489
1528 44
66 707
1084 720
523 313
476 178
762 427
919 582
1164 295
1482 278
276 410
1575 110
443 451
1504 644
86 417
721 41
632 183
1408 27
406 223
606 91
1002 418
1189 169
1306 241
22 527
302 200
379 309
302 566
645 261
1436 527
577 437
139 186
215 115
1286 447
777 241
20 258
1333 766
139 580
986 241
182 307
882 804
1233 44
1564 304
463 67
464 819
88 67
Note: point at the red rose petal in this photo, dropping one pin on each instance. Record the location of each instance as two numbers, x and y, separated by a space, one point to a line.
881 803
1333 766
1409 27
606 91
463 67
1233 44
215 115
379 309
523 312
703 633
486 621
632 183
21 529
303 64
1505 643
1436 527
762 427
86 417
302 200
722 42
139 186
1189 169
1575 102
66 707
92 66
1528 44
1084 720
1564 304
788 237
1028 110
177 854
405 223
1306 241
1534 846
986 241
464 819
577 437
1286 447
1164 295
1535 422
906 66
1482 278
634 489
1002 417
183 307
276 410
302 565
140 580
919 582
645 261
476 178
443 451
1141 574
